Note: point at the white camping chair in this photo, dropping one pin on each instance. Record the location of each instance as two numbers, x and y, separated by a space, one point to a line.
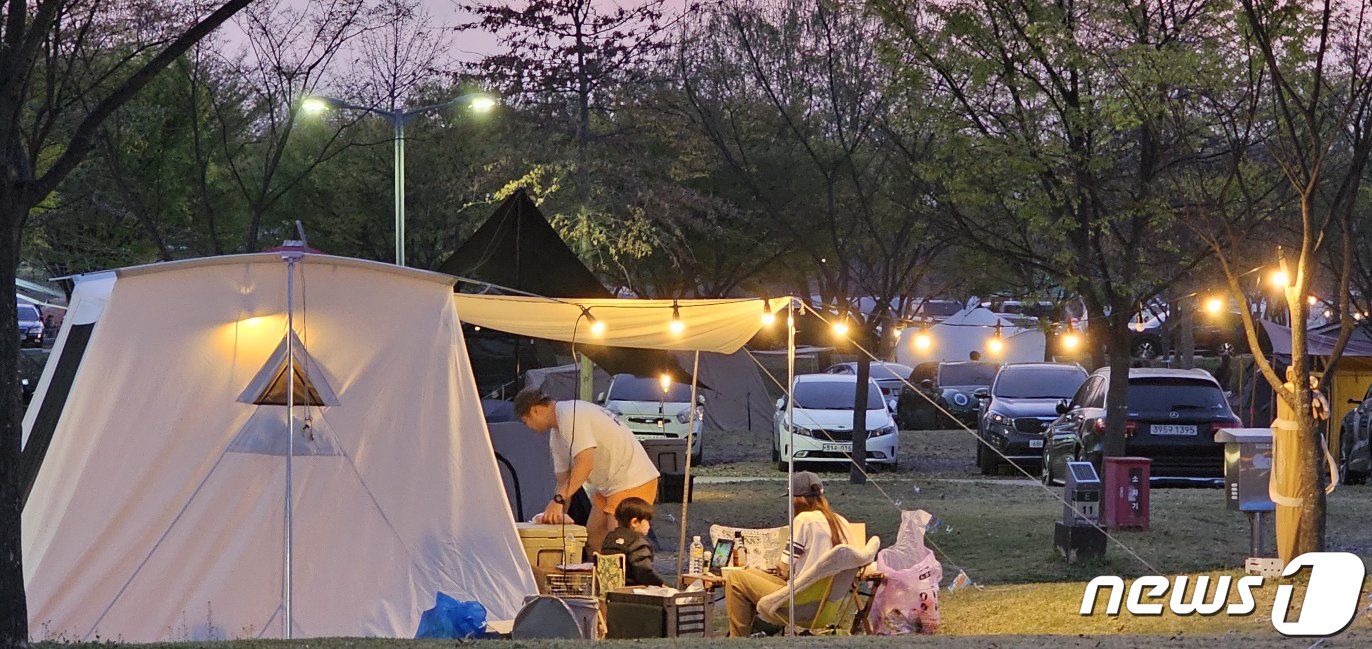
826 592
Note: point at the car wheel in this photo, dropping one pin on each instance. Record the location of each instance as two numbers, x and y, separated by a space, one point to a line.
781 465
776 455
697 458
1145 348
1046 473
1227 347
1348 476
988 463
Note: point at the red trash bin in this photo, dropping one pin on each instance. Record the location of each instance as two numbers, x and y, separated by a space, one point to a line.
1126 492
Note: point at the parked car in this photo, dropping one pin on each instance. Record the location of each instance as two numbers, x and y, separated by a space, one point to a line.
30 325
823 418
958 383
651 412
1020 404
915 411
1173 418
1355 442
1214 335
890 377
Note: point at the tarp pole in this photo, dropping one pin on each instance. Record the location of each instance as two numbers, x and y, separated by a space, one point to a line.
287 569
790 466
686 488
585 377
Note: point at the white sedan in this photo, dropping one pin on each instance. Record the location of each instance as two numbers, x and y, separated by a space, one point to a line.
823 416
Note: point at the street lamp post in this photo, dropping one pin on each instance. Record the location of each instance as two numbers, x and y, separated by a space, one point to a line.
477 102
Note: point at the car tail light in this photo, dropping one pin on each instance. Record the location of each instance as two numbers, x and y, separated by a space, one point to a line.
1215 426
1130 427
1100 425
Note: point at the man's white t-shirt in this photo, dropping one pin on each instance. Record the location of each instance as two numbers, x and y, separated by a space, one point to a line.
813 538
620 461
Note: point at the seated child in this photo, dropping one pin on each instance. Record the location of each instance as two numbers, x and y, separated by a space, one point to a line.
635 516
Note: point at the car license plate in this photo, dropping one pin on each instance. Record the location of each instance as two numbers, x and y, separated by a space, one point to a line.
1169 429
1035 443
837 448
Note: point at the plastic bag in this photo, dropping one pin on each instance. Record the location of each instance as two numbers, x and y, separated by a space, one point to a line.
450 618
908 601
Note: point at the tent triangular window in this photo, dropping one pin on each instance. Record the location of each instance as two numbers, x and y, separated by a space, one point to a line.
268 387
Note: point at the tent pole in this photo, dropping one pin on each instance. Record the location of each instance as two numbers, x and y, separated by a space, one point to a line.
288 568
790 467
686 487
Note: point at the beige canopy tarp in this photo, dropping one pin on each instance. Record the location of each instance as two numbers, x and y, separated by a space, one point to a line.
709 325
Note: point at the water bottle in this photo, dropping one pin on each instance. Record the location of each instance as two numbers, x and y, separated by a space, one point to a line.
696 565
569 553
740 551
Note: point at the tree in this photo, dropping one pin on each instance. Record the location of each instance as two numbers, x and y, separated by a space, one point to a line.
1313 89
65 67
1061 126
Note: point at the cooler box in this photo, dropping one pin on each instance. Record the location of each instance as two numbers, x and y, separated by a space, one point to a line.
1126 492
668 455
630 615
543 543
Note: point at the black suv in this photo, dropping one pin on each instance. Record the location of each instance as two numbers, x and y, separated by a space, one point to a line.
1173 418
1021 403
1355 442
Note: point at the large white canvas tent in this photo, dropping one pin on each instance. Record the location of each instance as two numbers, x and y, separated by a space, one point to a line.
967 331
159 510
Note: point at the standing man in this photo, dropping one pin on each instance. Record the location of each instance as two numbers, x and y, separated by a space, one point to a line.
589 448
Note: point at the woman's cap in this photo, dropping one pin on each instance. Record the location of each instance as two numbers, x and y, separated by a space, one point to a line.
806 483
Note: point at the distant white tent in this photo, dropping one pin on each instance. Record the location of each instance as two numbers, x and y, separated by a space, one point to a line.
158 513
967 331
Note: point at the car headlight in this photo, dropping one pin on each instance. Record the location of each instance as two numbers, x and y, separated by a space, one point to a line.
36 330
884 430
800 430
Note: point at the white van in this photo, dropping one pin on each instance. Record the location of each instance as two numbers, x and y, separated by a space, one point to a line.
823 415
651 412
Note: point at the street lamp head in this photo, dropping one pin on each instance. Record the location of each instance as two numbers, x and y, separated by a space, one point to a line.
481 103
314 105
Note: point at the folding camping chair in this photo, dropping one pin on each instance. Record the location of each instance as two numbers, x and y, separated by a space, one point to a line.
826 593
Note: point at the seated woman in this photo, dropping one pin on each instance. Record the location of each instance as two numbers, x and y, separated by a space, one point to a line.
817 529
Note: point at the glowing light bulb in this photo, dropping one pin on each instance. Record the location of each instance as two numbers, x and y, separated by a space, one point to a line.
1070 341
840 328
1312 300
676 326
768 318
995 344
1214 305
666 381
923 341
1281 279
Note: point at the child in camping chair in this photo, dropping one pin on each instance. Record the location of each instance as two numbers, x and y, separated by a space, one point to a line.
817 529
635 518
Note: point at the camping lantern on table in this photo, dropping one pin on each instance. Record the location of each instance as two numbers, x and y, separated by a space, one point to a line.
1078 533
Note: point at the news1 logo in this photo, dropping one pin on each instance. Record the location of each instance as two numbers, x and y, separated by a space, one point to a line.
1330 604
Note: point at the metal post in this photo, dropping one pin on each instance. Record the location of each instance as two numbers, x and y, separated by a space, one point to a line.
686 487
790 466
398 124
1255 520
288 567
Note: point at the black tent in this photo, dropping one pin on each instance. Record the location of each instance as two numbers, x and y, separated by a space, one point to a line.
516 248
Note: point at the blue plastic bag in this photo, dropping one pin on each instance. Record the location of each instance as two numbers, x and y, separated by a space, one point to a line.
450 618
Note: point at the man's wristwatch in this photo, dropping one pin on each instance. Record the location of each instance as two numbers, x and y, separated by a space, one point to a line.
557 498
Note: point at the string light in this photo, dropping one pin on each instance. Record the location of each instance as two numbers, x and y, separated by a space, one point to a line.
1070 340
923 341
676 326
996 344
1213 305
666 381
1281 279
1312 300
597 327
767 316
841 327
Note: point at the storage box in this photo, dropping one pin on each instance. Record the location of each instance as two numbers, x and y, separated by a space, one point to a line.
668 455
671 488
543 543
1126 492
631 615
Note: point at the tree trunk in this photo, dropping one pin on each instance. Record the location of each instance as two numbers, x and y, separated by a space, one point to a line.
858 473
1186 335
1117 392
14 615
